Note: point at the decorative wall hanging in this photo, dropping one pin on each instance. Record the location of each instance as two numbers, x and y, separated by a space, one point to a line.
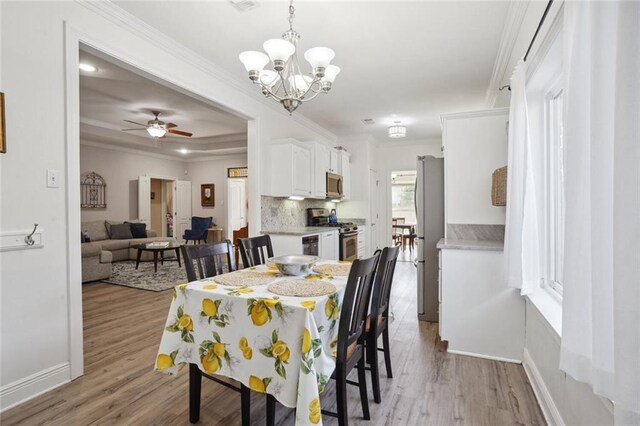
93 191
3 140
208 195
238 172
499 187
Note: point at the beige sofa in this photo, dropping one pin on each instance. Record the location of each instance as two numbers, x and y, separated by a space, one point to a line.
98 254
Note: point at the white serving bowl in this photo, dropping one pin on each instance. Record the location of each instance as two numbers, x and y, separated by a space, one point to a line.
294 264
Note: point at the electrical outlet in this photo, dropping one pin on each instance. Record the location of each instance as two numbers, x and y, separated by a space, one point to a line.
52 179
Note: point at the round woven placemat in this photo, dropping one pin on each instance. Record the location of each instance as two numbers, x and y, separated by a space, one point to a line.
336 269
245 278
302 288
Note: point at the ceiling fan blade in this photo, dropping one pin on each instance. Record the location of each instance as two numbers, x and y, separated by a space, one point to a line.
179 132
170 125
132 130
133 122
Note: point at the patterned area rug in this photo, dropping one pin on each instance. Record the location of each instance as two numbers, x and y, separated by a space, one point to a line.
168 275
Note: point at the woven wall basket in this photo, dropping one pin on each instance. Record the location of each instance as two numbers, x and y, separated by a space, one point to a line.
499 187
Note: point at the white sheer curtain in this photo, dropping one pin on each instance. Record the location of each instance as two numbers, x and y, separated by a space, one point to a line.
521 254
601 302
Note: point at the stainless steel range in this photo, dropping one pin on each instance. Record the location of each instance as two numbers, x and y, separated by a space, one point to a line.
348 232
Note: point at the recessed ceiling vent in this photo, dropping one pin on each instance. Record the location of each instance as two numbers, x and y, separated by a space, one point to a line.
244 5
368 121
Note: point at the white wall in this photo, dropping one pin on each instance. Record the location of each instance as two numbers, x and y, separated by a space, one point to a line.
562 399
121 170
475 144
212 171
41 327
397 156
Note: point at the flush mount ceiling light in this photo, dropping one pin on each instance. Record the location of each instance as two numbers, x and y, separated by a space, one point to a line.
87 67
396 131
286 83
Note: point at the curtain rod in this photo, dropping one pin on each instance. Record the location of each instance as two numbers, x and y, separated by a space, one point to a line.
535 35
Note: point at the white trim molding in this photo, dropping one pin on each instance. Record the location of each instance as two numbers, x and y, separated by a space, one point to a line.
36 384
513 23
547 405
491 357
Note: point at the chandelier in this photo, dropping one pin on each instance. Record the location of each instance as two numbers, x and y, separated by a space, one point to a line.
286 83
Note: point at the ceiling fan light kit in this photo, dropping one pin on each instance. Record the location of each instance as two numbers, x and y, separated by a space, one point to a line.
158 128
287 84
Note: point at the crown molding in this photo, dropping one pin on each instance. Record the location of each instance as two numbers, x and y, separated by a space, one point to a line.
138 27
472 114
513 23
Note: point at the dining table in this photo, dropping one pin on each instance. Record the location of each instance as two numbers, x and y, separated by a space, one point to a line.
280 345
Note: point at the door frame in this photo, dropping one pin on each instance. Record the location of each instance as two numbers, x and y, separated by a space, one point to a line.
74 40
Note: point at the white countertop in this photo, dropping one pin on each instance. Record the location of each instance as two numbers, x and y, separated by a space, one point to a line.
304 230
457 244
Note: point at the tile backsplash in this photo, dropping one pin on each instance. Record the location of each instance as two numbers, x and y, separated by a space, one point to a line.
278 213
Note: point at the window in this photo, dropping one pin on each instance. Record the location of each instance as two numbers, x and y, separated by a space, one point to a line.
554 192
403 195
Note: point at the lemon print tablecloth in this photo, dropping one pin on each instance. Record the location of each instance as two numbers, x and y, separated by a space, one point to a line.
284 346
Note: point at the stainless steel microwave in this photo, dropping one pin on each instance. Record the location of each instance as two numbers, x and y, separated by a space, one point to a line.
334 185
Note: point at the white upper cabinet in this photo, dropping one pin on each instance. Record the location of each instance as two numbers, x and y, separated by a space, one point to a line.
322 166
334 161
291 167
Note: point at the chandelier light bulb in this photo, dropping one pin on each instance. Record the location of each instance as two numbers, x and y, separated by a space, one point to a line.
319 58
279 51
253 62
330 73
300 82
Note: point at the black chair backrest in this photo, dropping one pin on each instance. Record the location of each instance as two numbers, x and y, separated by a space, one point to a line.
252 250
355 304
207 260
381 292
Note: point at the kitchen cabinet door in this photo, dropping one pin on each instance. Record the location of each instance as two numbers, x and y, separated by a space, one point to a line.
334 161
301 165
322 162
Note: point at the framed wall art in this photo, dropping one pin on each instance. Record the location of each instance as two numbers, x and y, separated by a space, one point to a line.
208 195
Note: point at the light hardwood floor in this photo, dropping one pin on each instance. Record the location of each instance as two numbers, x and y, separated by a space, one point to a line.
122 329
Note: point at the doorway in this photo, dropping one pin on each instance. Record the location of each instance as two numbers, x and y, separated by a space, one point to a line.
237 205
161 198
403 213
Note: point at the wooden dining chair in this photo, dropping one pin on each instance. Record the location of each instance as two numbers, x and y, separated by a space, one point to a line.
208 260
351 341
409 239
255 250
205 261
378 320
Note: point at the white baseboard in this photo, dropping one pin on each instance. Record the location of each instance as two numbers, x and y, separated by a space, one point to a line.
31 386
491 357
547 405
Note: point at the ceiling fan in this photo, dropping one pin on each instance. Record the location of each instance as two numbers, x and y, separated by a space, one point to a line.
158 128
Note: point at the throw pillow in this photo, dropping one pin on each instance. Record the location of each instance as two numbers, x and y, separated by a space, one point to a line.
108 224
138 230
121 232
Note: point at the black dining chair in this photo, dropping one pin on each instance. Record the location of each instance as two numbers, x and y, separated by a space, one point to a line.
351 341
208 260
255 250
378 320
205 261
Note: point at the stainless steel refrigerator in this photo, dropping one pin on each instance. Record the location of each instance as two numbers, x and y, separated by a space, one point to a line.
429 204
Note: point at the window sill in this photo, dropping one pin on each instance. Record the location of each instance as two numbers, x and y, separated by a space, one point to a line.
549 307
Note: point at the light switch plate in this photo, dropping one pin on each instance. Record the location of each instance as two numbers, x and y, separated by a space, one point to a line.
52 179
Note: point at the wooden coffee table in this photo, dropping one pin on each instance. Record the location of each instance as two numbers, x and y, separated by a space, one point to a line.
158 252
